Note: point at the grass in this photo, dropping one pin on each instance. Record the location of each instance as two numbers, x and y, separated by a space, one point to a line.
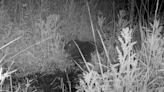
33 35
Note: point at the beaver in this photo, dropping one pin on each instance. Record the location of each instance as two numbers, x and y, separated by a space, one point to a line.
86 47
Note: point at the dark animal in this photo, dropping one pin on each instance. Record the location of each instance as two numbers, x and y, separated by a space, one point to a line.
86 48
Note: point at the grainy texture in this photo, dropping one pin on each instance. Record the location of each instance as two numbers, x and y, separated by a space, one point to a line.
86 48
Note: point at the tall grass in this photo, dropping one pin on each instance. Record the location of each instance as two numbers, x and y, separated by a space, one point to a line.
119 68
140 71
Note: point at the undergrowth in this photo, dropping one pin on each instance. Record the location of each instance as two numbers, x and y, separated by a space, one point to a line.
32 52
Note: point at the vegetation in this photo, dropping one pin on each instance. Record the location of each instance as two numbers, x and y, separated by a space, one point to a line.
33 34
